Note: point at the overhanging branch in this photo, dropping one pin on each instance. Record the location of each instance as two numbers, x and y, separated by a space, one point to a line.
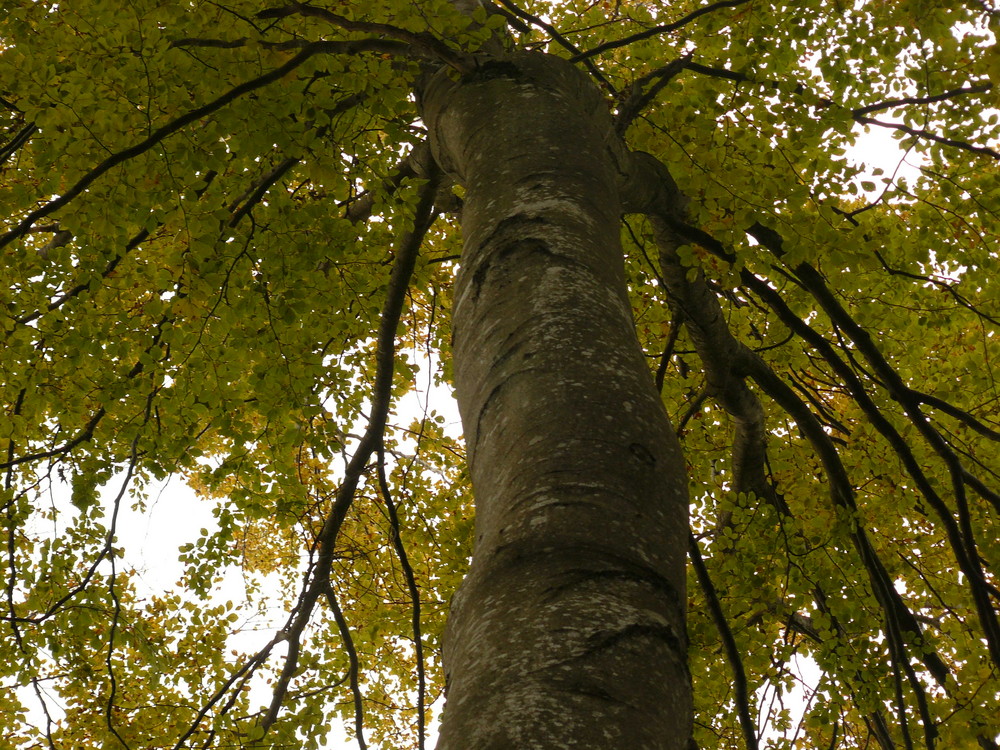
425 42
168 129
657 30
385 360
962 538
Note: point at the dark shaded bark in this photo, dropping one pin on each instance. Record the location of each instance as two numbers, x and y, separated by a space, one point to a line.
569 629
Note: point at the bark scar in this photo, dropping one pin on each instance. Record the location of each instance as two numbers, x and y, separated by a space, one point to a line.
642 453
505 254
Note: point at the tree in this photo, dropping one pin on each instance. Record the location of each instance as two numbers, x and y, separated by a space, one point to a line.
681 321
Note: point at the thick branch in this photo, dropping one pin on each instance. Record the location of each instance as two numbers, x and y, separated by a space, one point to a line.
719 353
561 41
726 362
424 41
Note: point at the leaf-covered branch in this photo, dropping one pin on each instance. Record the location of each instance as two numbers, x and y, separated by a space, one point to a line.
178 123
319 579
729 644
426 43
414 591
859 114
658 30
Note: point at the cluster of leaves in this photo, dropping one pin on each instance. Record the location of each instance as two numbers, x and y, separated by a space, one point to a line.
204 206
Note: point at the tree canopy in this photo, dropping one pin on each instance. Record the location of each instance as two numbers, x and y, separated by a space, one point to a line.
229 255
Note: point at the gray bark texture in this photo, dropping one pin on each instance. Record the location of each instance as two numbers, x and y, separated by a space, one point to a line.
569 630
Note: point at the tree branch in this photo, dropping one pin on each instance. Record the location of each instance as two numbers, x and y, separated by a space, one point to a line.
922 133
109 269
19 139
944 286
890 103
813 282
240 675
561 41
858 114
411 585
742 693
84 434
639 99
259 190
419 40
210 43
182 121
385 360
727 361
970 567
656 30
352 657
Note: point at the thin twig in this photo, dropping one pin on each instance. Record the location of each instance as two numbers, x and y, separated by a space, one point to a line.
113 593
411 585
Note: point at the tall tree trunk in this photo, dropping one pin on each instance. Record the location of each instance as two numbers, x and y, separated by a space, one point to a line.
569 630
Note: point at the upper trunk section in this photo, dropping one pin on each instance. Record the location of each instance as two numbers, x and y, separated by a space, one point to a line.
569 629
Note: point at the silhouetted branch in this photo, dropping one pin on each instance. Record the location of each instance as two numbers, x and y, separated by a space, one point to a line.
814 283
385 360
194 115
211 43
113 593
890 103
656 30
411 585
953 411
560 40
742 693
259 190
642 96
241 675
727 362
967 559
949 288
352 658
84 434
668 349
112 264
19 139
418 40
922 133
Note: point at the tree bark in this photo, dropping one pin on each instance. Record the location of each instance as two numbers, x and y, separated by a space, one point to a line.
568 631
